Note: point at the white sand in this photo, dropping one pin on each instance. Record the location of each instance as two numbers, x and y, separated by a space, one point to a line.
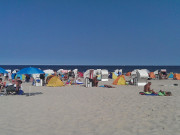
76 110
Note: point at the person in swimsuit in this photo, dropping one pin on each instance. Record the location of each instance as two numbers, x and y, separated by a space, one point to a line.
147 88
1 84
164 93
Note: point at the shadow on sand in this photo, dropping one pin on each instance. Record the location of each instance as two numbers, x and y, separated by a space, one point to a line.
33 93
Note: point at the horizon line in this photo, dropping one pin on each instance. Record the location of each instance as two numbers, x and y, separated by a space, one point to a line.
79 65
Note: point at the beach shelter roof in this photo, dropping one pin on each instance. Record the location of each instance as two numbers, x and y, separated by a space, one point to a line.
170 75
120 80
3 70
30 70
55 82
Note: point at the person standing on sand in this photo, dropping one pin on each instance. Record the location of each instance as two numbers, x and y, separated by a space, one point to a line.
147 88
1 84
95 81
42 77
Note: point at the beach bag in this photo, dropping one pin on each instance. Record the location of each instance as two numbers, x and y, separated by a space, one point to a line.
20 92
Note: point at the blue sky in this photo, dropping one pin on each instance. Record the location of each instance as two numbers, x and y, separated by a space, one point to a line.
98 32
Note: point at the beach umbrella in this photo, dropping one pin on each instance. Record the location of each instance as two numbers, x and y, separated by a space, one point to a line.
3 70
30 70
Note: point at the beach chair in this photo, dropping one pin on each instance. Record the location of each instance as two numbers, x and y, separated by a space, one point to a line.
104 75
142 76
156 74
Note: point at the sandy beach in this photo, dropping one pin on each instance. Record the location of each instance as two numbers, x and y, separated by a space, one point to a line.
76 110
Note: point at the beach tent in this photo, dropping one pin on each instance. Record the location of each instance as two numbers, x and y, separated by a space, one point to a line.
152 75
22 76
120 80
114 75
177 76
128 74
55 82
170 75
48 78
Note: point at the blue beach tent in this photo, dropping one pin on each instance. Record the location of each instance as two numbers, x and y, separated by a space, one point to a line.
170 75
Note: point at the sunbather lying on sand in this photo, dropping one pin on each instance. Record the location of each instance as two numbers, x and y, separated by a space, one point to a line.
108 86
164 93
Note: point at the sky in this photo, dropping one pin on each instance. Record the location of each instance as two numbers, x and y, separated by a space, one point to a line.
90 32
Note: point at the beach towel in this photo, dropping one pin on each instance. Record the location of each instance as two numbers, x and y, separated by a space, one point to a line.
148 94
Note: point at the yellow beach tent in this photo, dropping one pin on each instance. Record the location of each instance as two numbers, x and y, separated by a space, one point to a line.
120 80
114 76
55 82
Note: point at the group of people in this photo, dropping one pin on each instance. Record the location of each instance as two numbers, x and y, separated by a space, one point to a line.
148 90
15 86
